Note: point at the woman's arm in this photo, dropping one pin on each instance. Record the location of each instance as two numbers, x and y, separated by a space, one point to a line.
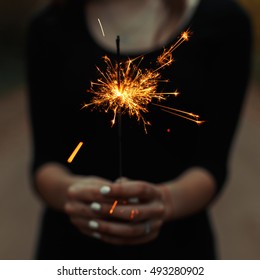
52 181
189 193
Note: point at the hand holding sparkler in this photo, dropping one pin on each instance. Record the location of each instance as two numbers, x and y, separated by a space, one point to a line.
80 196
132 222
141 221
126 88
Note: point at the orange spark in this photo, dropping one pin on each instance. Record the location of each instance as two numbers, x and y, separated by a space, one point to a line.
70 159
133 213
113 207
183 114
166 57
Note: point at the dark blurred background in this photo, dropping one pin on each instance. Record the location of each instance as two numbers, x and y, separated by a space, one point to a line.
14 17
236 214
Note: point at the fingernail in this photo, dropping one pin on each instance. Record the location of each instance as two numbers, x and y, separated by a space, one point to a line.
93 224
95 206
105 189
96 235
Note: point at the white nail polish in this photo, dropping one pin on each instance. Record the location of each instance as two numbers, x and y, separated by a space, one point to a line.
93 224
105 189
95 206
96 235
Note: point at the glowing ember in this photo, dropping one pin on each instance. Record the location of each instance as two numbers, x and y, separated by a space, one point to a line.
133 213
70 159
113 207
186 115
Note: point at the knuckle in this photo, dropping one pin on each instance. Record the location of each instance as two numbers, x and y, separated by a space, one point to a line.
83 210
161 209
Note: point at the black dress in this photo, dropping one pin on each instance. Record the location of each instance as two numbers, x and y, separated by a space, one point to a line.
211 71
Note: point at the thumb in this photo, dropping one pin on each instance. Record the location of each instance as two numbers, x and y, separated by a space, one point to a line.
122 180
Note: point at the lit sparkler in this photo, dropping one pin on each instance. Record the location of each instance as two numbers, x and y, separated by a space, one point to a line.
126 88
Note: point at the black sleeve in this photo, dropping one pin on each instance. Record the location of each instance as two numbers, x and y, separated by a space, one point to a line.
229 64
43 76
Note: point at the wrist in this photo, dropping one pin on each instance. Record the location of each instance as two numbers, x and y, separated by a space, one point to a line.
52 182
168 200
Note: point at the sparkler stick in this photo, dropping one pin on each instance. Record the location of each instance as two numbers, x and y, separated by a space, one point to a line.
118 60
119 111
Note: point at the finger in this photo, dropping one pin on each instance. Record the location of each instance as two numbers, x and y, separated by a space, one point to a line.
80 191
79 209
116 240
126 230
128 212
122 179
118 233
128 241
115 229
139 212
81 225
128 234
128 189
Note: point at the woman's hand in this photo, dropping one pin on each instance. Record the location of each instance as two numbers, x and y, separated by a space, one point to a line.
79 200
126 212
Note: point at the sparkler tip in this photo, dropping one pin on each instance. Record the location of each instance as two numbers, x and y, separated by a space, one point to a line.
176 93
200 122
185 35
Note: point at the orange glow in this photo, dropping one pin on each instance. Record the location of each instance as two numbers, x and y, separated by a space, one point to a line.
70 159
183 114
126 88
133 213
113 207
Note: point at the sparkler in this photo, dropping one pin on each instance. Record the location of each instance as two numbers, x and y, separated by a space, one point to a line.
119 114
126 88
